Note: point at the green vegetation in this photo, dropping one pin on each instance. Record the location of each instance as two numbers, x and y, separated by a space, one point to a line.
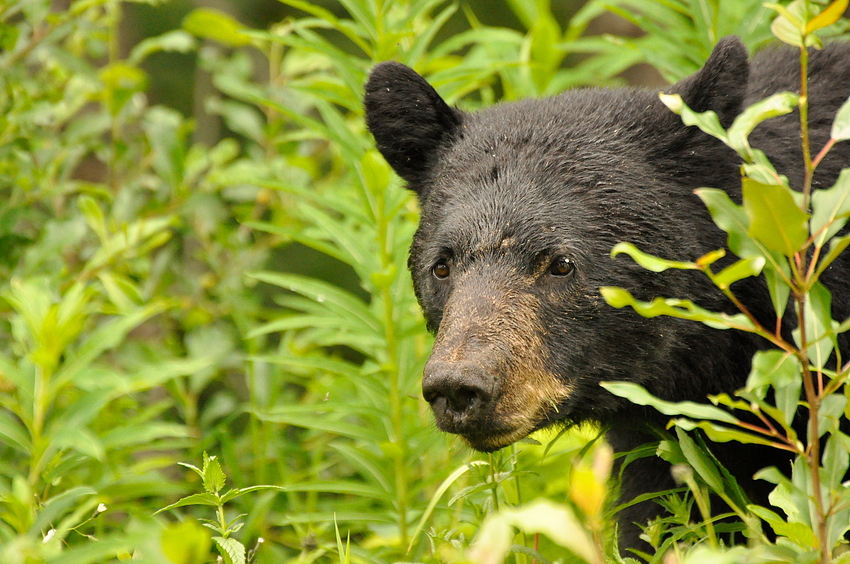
164 298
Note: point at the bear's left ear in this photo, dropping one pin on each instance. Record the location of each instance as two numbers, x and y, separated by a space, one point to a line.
720 85
410 121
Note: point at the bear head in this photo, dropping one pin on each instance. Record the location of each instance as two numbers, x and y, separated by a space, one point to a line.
521 204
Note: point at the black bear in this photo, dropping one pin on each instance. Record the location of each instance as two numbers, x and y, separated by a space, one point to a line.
521 205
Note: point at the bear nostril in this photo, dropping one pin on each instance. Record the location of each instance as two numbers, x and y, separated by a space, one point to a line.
460 399
451 388
464 398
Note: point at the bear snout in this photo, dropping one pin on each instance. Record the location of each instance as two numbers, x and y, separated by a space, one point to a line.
460 393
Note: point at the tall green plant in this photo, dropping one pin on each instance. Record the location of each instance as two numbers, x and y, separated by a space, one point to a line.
790 237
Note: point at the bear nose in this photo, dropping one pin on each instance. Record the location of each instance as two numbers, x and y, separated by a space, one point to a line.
457 391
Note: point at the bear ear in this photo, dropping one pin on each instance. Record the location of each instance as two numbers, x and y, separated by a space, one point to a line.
720 85
409 120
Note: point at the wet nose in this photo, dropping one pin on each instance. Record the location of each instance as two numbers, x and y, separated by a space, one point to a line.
457 390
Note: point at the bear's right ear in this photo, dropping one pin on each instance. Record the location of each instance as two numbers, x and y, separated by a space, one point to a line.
409 120
720 85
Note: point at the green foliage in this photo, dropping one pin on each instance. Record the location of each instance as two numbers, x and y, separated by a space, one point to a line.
786 232
166 293
153 311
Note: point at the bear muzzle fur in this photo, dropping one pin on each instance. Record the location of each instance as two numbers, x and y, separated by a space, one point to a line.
486 379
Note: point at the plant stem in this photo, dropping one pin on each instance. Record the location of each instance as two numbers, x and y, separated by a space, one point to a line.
813 451
804 126
392 365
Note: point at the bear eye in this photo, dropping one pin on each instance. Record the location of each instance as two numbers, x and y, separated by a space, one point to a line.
561 266
441 270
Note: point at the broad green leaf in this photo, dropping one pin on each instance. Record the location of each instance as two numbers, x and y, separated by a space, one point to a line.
777 283
790 25
683 309
700 461
637 394
797 532
830 414
121 81
216 25
775 219
231 550
788 495
782 371
773 368
556 522
830 209
731 218
13 432
80 439
649 262
841 126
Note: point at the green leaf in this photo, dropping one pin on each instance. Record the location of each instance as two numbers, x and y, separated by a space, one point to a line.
775 219
841 126
231 550
683 309
637 394
649 262
330 296
820 338
746 122
744 268
706 121
107 336
828 16
836 247
216 25
731 218
700 461
830 209
233 494
836 460
723 434
782 371
213 475
773 368
176 40
790 25
121 81
194 499
797 532
444 486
